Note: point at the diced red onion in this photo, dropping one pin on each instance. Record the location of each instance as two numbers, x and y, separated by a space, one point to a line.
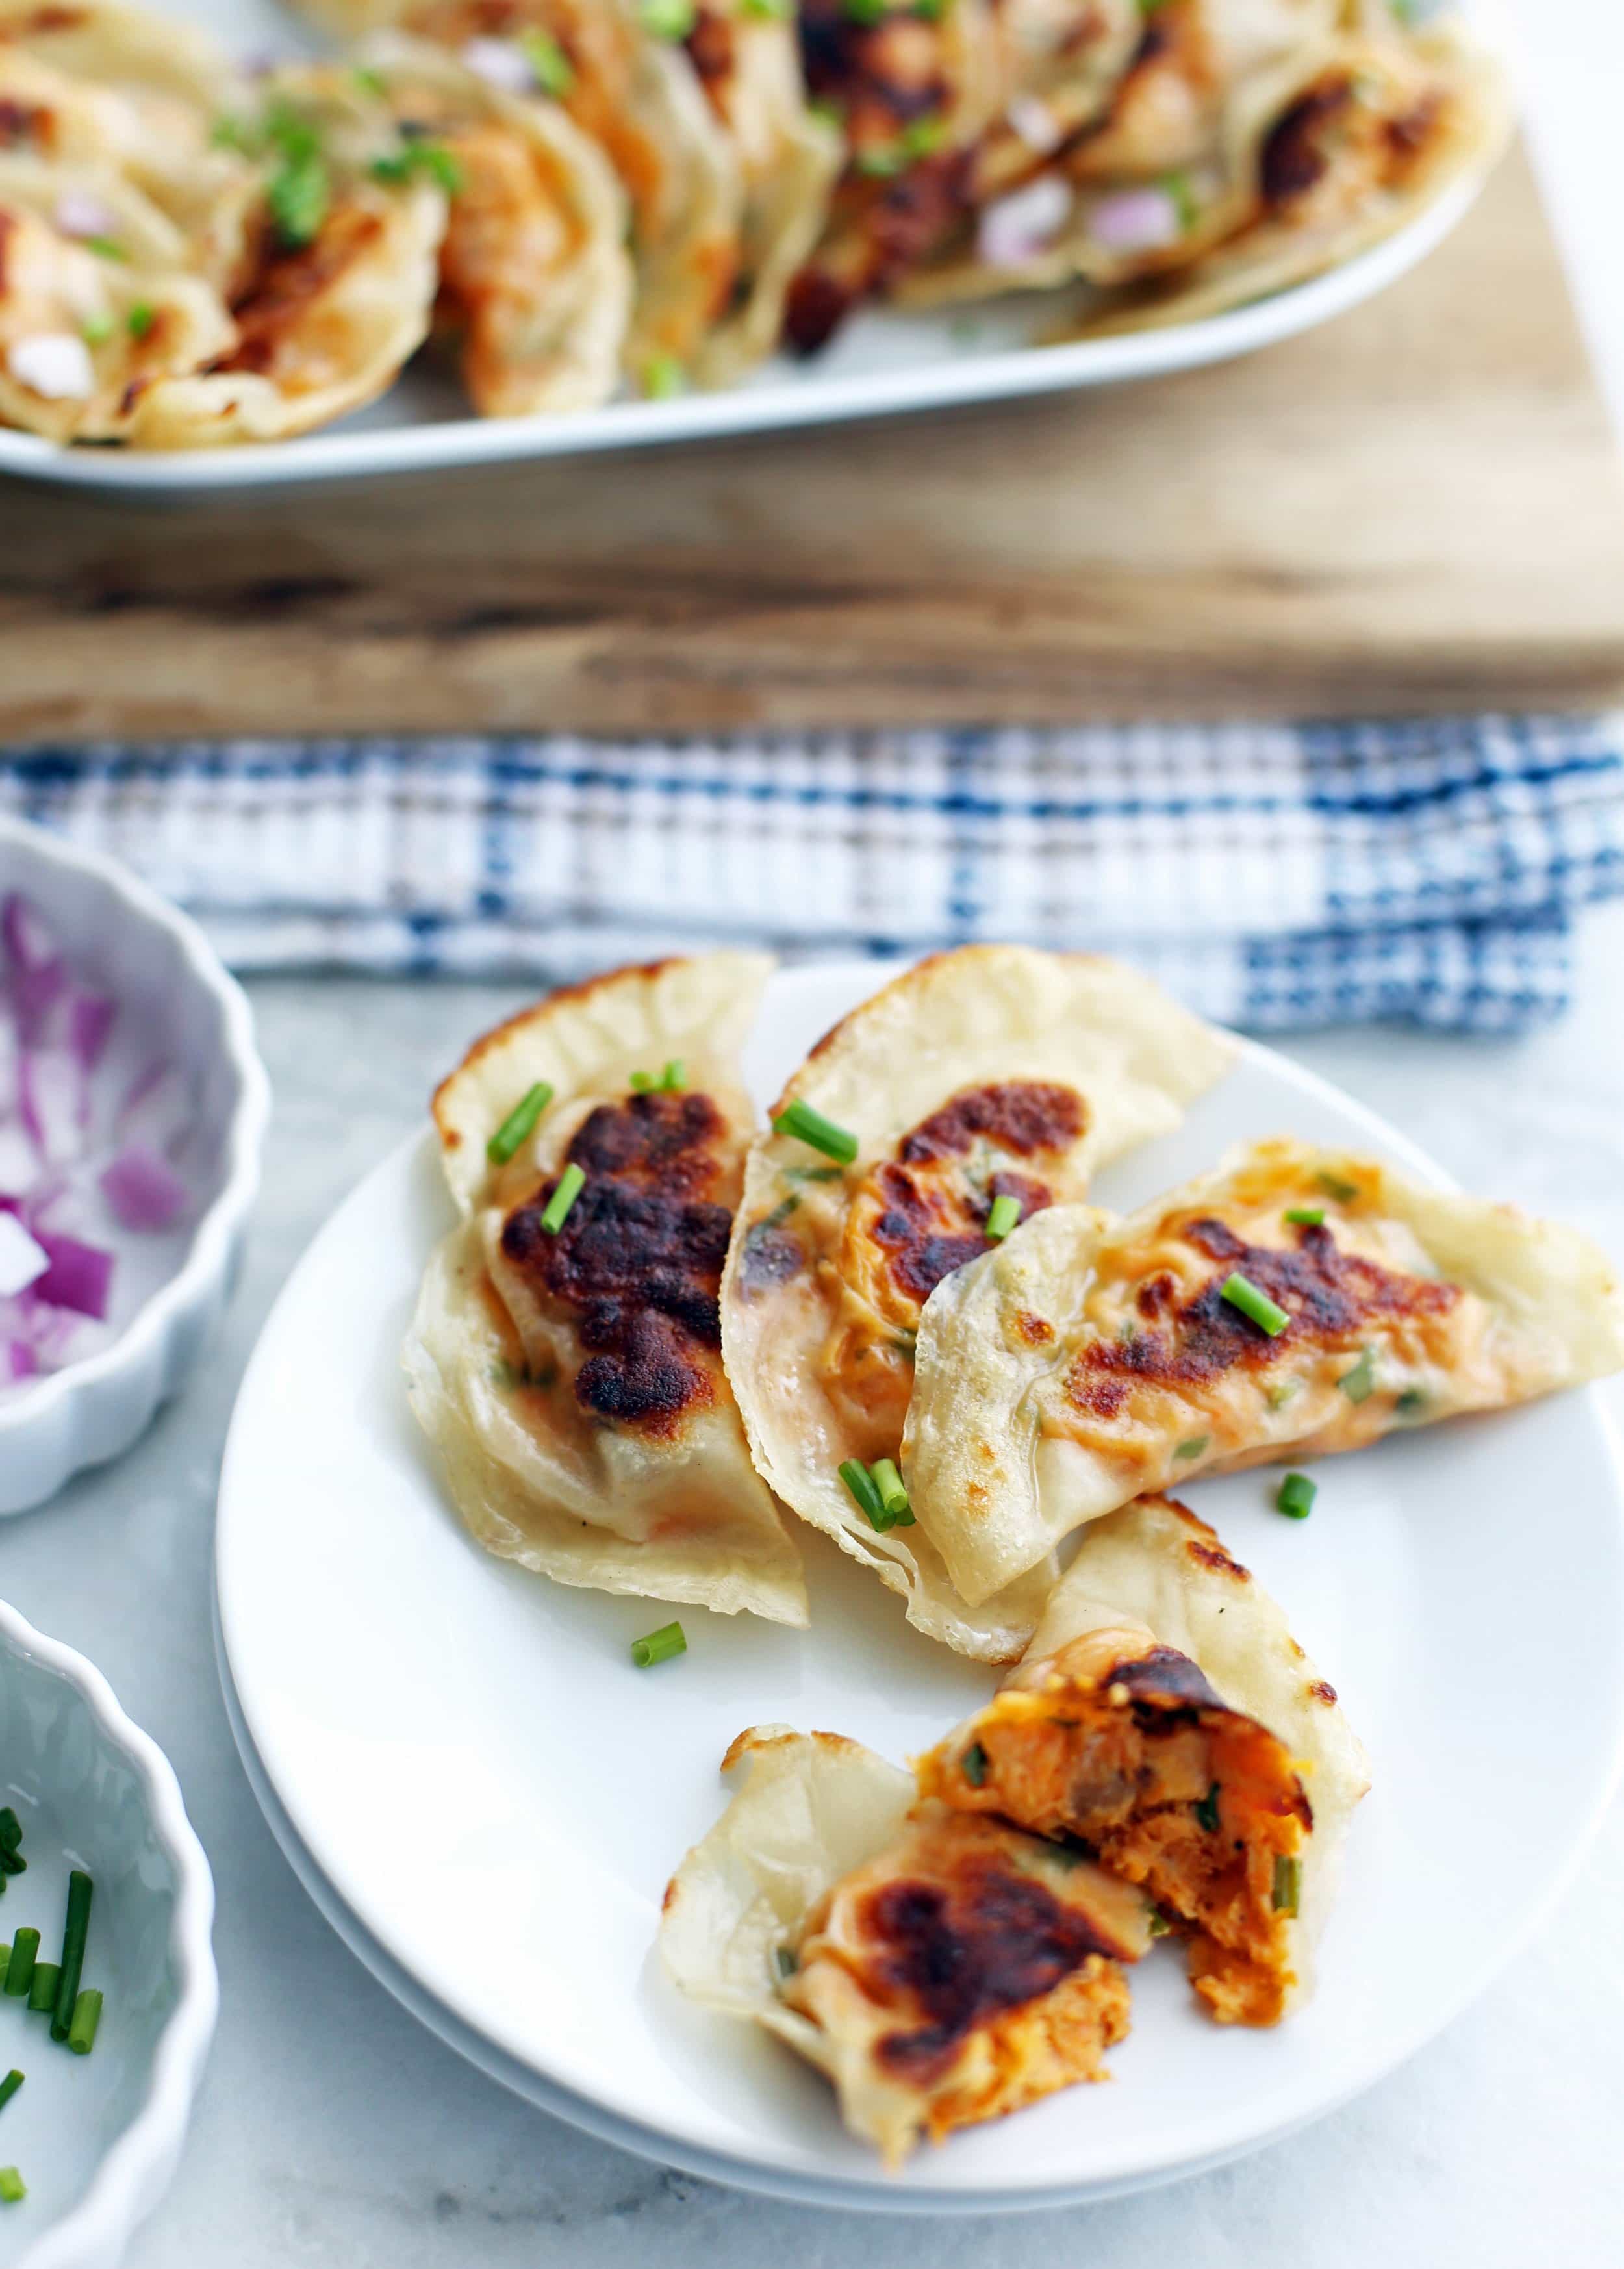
500 62
52 1102
1017 228
1035 124
79 1277
155 1110
90 1019
17 1361
79 213
1136 220
22 1258
143 1191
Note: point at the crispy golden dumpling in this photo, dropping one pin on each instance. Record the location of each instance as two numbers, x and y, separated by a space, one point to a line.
81 333
1089 1361
1166 1719
566 1362
535 278
941 1969
996 1075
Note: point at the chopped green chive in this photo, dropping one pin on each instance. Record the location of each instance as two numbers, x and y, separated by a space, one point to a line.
5 1963
663 378
75 1930
96 330
1411 1403
1359 1383
1267 1314
1193 1447
571 1183
11 1863
784 1957
9 2087
1295 1496
643 1082
810 1173
11 1829
1306 1216
775 12
975 1763
520 1123
1159 1925
1180 188
404 165
1207 1810
19 1969
1288 1884
142 319
369 82
1002 1216
672 1078
864 1491
105 247
86 2017
13 2189
893 1494
299 195
810 1127
551 68
658 1646
1283 1391
669 20
42 1991
1335 1186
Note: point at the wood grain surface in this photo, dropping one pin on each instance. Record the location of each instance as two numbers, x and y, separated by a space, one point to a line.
1417 507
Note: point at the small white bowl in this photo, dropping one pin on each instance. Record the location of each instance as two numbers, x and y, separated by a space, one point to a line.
168 978
96 2138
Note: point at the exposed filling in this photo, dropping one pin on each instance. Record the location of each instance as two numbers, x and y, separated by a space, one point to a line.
1174 1376
634 1272
1137 1757
289 331
976 1969
912 1219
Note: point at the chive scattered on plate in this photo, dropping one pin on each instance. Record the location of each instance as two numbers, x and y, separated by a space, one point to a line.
658 1646
19 1969
1296 1495
9 2087
674 1077
1002 1216
1267 1314
520 1123
86 2017
42 1991
13 2189
1306 1216
569 1187
799 1120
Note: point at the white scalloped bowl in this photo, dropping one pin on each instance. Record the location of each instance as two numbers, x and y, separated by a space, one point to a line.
174 994
96 2138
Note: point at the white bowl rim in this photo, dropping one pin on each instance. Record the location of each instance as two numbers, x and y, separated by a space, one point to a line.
210 1252
129 2178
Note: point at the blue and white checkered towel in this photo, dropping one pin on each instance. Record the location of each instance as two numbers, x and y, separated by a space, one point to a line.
1277 877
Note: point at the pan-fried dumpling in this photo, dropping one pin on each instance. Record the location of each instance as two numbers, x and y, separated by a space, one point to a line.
565 1361
140 96
995 1072
1166 1716
1337 156
748 63
343 281
635 92
534 271
941 1968
1089 1361
80 333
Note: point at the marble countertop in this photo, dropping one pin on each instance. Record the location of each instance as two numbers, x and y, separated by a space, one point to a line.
333 2132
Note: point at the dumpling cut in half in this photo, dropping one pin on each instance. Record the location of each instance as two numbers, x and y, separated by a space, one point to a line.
1167 1722
941 1968
981 1088
1297 1302
565 1356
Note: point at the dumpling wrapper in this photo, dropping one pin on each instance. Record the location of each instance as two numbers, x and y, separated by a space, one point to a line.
994 1069
638 97
324 324
941 1970
1165 1716
570 1381
79 334
748 63
533 269
140 95
1090 1360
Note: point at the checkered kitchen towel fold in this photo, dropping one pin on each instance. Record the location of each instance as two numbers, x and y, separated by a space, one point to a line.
1277 877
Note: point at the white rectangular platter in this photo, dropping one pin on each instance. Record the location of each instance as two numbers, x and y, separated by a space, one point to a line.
881 363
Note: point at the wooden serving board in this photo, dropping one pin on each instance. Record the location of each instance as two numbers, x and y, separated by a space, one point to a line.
1416 507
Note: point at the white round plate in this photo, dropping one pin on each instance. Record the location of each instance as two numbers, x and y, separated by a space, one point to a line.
491 1798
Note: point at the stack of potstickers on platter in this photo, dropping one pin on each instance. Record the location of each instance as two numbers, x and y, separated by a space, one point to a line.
573 198
659 1335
